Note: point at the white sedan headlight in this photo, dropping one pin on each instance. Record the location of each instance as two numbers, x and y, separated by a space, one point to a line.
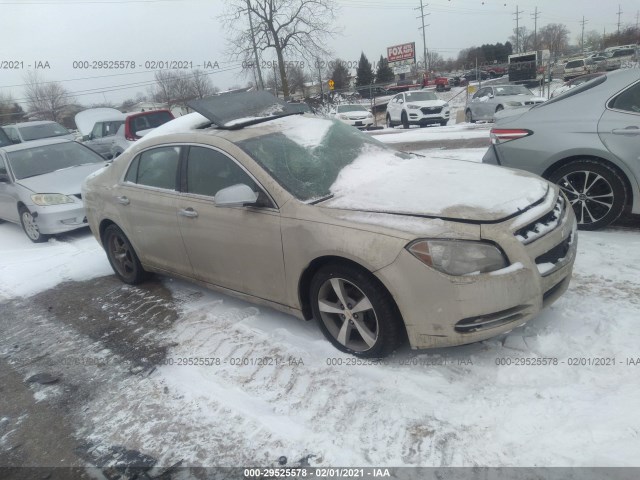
44 199
413 107
369 115
513 104
459 257
343 117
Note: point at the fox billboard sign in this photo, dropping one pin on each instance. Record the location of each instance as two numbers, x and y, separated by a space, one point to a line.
402 52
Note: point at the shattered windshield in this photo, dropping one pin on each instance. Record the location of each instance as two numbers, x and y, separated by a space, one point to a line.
306 155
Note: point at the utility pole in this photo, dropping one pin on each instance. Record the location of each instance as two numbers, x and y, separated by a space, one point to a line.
255 48
582 37
619 13
424 34
535 28
517 15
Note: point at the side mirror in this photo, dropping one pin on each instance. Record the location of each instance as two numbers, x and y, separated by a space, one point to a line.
235 196
4 178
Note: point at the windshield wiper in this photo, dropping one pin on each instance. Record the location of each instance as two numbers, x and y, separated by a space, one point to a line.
321 199
238 126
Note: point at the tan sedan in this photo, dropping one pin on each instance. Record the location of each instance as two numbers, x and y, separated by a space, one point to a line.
314 218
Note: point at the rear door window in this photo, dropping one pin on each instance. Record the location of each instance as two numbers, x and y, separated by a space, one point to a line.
628 101
157 168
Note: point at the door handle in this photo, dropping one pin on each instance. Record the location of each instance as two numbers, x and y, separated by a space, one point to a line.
188 212
123 200
631 130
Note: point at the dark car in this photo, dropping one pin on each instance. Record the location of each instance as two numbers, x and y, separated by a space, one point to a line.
473 75
370 92
4 139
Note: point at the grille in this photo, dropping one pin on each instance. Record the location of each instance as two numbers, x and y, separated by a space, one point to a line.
430 110
545 224
556 253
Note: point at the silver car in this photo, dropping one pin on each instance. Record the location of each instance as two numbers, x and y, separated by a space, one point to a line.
312 217
488 101
36 130
40 185
586 140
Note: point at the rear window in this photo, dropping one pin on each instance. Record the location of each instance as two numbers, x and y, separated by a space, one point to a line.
4 139
575 64
45 130
149 120
623 53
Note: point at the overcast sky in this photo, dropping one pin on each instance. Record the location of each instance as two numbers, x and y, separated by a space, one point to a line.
63 31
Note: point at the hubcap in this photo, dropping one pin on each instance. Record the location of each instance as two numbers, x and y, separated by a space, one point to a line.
30 226
348 314
590 195
121 254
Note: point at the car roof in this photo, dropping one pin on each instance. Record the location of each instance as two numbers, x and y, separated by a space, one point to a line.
34 144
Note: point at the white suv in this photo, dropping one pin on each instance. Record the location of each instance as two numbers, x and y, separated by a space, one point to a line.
417 107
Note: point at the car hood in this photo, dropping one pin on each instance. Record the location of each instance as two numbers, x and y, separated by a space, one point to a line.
427 103
354 114
519 98
383 182
86 119
66 181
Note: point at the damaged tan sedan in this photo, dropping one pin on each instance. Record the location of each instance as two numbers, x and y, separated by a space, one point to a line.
314 218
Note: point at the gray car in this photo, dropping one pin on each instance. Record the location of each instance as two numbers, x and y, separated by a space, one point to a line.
488 101
40 185
28 131
586 140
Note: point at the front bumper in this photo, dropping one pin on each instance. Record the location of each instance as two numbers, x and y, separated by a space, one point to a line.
54 219
441 310
416 117
359 123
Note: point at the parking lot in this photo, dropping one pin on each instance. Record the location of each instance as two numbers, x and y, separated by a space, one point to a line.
96 372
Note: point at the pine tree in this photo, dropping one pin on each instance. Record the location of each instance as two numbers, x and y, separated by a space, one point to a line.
364 74
340 75
384 74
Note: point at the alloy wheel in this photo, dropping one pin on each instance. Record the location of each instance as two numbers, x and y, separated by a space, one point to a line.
122 256
589 193
30 227
348 314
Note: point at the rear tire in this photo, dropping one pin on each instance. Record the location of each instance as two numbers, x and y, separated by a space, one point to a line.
122 256
355 312
596 191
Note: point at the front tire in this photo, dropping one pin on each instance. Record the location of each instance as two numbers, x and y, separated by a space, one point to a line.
468 116
405 120
30 226
355 312
122 256
596 191
444 123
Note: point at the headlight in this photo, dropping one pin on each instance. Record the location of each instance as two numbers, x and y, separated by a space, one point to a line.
458 257
44 199
343 117
369 115
446 105
413 107
513 104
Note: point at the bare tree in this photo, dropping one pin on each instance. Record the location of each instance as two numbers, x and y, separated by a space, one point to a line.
201 85
288 28
10 111
45 100
555 37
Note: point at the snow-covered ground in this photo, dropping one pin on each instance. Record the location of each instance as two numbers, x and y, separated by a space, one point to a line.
276 387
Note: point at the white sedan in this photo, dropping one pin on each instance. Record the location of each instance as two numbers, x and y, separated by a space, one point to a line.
355 115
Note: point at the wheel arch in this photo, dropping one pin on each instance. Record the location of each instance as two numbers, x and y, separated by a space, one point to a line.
623 175
304 282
